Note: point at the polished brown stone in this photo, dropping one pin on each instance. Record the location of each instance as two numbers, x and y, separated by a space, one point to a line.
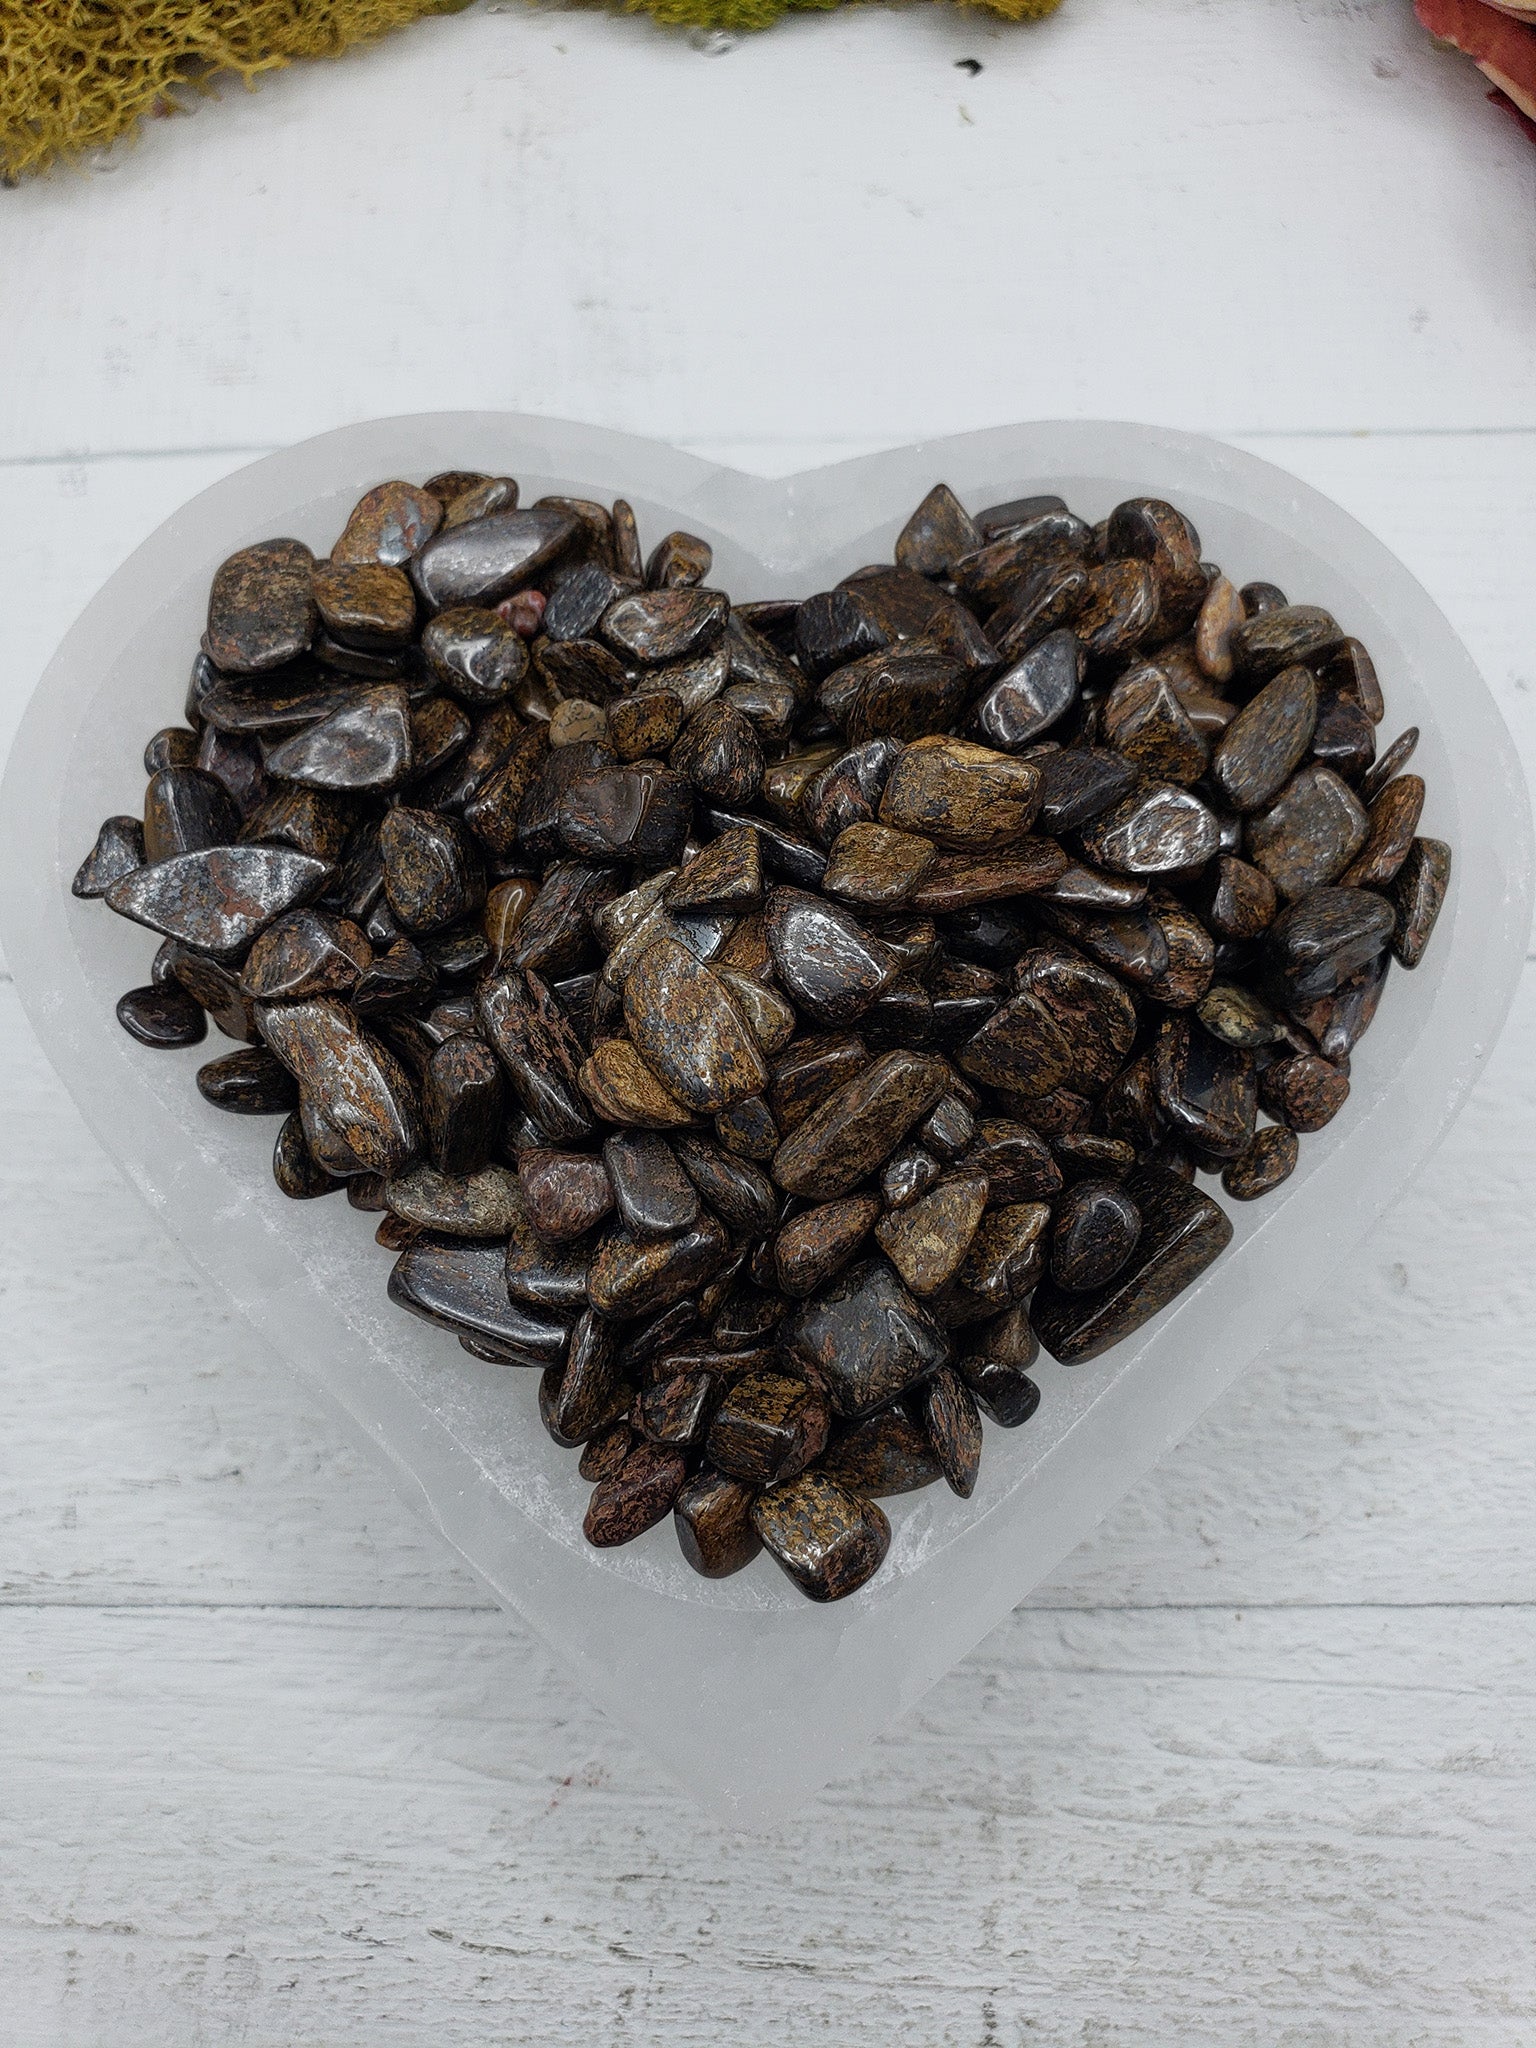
461 1286
1270 1159
1343 738
1318 943
1018 1163
1221 613
118 851
1205 1088
713 1519
1278 637
958 881
1033 693
1237 1016
621 1087
1391 763
1152 832
564 1193
506 905
748 1128
354 1080
1093 1233
603 1454
474 654
1418 891
186 811
828 1540
1352 672
659 626
220 899
937 535
364 745
261 610
294 1167
884 1455
725 875
1157 533
553 936
365 604
1260 750
306 953
164 1018
767 1428
637 1276
1021 1047
1005 1259
639 812
541 1053
388 524
820 1241
482 1204
461 1105
946 1409
1144 719
864 1338
1393 820
433 871
636 1497
927 1240
653 1195
827 961
859 1124
1237 901
588 1389
250 1082
1089 1006
1182 1232
875 867
1304 1092
962 796
1002 1388
645 724
480 561
690 1031
719 752
1118 611
1079 783
1309 835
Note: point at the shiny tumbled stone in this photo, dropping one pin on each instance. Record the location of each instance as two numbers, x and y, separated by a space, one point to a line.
1017 1161
1033 693
1309 834
958 881
725 875
1155 831
1418 891
946 1408
541 1053
565 1193
639 813
583 1399
1318 943
747 1127
1144 719
365 604
865 1338
820 1241
1391 763
636 1497
1221 613
828 1540
1257 754
482 1204
1002 1264
474 654
1079 783
960 795
938 533
186 811
886 1454
657 626
388 524
261 610
433 871
118 851
1343 738
306 953
1002 1388
1276 637
294 1167
826 960
653 1195
218 900
768 1428
461 1286
621 1087
688 1028
1205 1088
1093 1233
927 1240
1182 1231
713 1519
1269 1160
1393 820
859 1124
250 1082
719 752
637 1276
359 1086
1304 1092
164 1018
738 1191
481 561
872 865
365 745
1237 1016
645 724
1238 901
543 1274
462 1094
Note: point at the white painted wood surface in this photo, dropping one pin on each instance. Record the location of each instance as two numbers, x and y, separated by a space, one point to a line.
1256 1768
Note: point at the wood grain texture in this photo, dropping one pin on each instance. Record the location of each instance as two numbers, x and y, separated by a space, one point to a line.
1255 1769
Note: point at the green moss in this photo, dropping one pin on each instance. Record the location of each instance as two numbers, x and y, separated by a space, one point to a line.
76 75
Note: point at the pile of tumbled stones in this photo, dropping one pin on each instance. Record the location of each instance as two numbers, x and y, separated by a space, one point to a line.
773 1021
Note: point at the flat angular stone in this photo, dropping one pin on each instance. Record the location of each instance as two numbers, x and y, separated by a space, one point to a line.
564 1193
279 703
635 1498
1278 637
639 813
1033 693
876 867
725 875
828 1540
118 851
713 1519
544 1275
946 1408
653 1194
620 1087
388 525
1153 832
1144 719
1089 1007
1235 1015
250 1082
186 811
261 610
578 668
658 626
864 1339
958 881
462 1095
1269 1160
584 1395
482 561
1118 610
900 693
1344 738
440 729
784 853
1003 1390
1021 1047
856 1127
719 752
1018 1163
365 604
218 900
645 724
461 1286
638 1276
1318 943
358 1085
474 654
939 533
825 959
484 1204
1221 613
686 1026
1309 835
960 795
1257 754
433 871
1304 1093
950 1126
927 1240
366 745
819 1242
1182 1232
163 1018
739 1193
1391 763
541 1053
1079 783
887 1454
1418 891
1239 901
1047 594
1206 1089
768 1428
1093 1233
554 935
811 1070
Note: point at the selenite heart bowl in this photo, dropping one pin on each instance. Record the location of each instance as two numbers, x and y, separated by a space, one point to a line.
751 1696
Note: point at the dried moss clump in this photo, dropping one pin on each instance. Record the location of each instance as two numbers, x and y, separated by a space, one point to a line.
77 74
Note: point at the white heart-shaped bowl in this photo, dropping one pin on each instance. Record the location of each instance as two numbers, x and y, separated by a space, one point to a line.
750 1695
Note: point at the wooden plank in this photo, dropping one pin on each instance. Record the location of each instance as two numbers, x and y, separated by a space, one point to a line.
1233 1829
1274 215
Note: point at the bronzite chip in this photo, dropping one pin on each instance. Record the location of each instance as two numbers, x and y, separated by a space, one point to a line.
774 1023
